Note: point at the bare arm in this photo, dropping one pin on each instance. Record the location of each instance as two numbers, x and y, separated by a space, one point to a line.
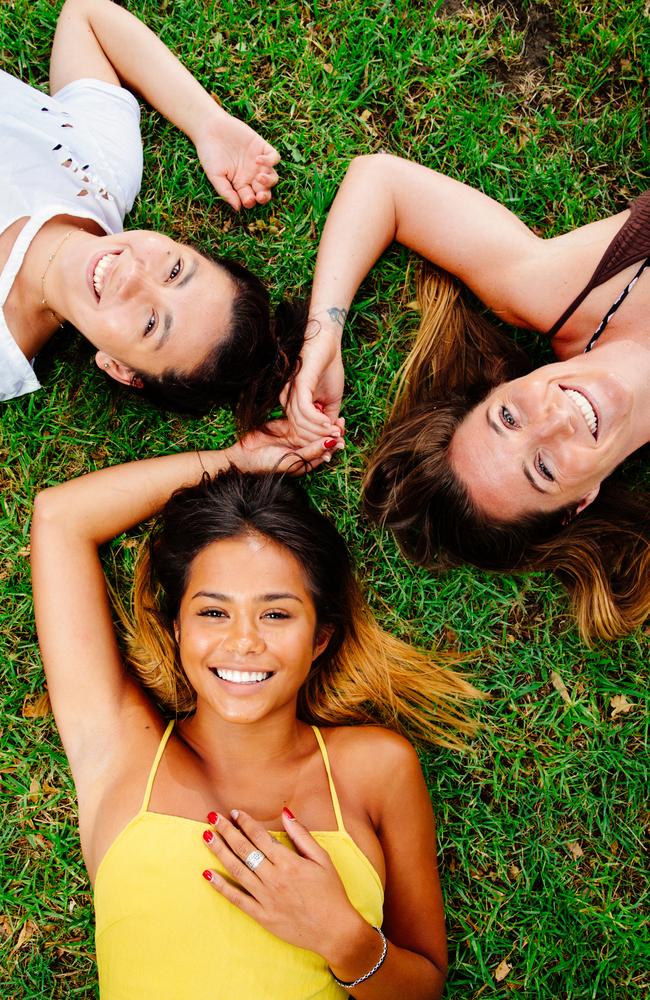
97 39
92 696
414 921
384 198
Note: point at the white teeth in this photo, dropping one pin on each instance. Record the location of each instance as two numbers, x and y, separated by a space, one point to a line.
586 409
100 271
242 676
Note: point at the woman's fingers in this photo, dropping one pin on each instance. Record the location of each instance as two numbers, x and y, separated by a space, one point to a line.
306 415
258 835
303 840
238 855
269 157
309 457
242 900
224 188
247 196
266 178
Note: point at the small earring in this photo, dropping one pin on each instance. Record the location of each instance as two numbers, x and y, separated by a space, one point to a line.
106 366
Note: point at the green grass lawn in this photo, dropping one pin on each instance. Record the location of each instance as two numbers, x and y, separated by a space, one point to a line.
542 106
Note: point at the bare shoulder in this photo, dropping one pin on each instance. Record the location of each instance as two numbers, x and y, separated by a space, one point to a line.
372 751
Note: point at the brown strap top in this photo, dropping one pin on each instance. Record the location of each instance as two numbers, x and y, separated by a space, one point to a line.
631 244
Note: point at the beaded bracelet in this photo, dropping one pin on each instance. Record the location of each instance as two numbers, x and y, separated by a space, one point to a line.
378 964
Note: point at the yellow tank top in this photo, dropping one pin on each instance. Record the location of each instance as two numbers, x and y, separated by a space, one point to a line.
164 933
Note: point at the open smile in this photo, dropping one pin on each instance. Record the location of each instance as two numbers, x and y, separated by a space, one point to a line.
245 677
101 270
584 407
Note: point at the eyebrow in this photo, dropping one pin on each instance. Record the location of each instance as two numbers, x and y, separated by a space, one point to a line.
263 598
168 320
530 479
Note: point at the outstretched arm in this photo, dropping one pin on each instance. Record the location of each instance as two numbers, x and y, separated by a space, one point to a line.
97 39
384 198
92 696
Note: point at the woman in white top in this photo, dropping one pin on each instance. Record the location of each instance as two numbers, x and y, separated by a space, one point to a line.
161 316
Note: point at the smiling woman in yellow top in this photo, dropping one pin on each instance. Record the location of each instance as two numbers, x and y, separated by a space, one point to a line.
250 632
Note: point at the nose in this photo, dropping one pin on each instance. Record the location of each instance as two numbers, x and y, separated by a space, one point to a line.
130 275
243 639
555 421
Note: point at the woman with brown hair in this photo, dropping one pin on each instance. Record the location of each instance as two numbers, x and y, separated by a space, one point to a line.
263 695
482 459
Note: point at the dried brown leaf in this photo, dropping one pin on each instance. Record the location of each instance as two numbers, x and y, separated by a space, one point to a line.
27 931
575 850
365 115
560 687
502 971
5 927
620 705
37 708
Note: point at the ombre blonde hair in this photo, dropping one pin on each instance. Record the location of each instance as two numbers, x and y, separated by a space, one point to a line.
365 675
602 555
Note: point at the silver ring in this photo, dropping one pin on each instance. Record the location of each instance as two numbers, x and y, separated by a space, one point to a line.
254 860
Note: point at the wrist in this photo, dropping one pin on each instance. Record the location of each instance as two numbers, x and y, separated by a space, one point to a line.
327 319
206 120
354 949
214 462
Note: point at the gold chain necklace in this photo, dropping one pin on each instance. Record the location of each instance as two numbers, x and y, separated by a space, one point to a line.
47 268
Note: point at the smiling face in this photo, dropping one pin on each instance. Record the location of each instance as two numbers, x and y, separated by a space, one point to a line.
247 629
545 442
144 301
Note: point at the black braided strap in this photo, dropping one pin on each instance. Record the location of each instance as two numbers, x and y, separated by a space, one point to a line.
378 964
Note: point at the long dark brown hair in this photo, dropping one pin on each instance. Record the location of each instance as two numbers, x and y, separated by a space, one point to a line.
365 674
602 556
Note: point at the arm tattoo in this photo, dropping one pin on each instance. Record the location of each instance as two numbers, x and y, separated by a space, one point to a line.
337 315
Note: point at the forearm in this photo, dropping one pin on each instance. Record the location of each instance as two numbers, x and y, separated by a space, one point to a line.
456 227
361 224
144 63
402 973
96 507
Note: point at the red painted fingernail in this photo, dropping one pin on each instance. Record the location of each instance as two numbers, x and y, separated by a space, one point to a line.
330 443
287 812
207 875
208 836
213 818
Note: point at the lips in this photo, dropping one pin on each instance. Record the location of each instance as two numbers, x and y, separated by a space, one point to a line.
248 677
585 408
101 270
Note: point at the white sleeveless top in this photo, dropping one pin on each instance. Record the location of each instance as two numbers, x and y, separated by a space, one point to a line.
79 153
